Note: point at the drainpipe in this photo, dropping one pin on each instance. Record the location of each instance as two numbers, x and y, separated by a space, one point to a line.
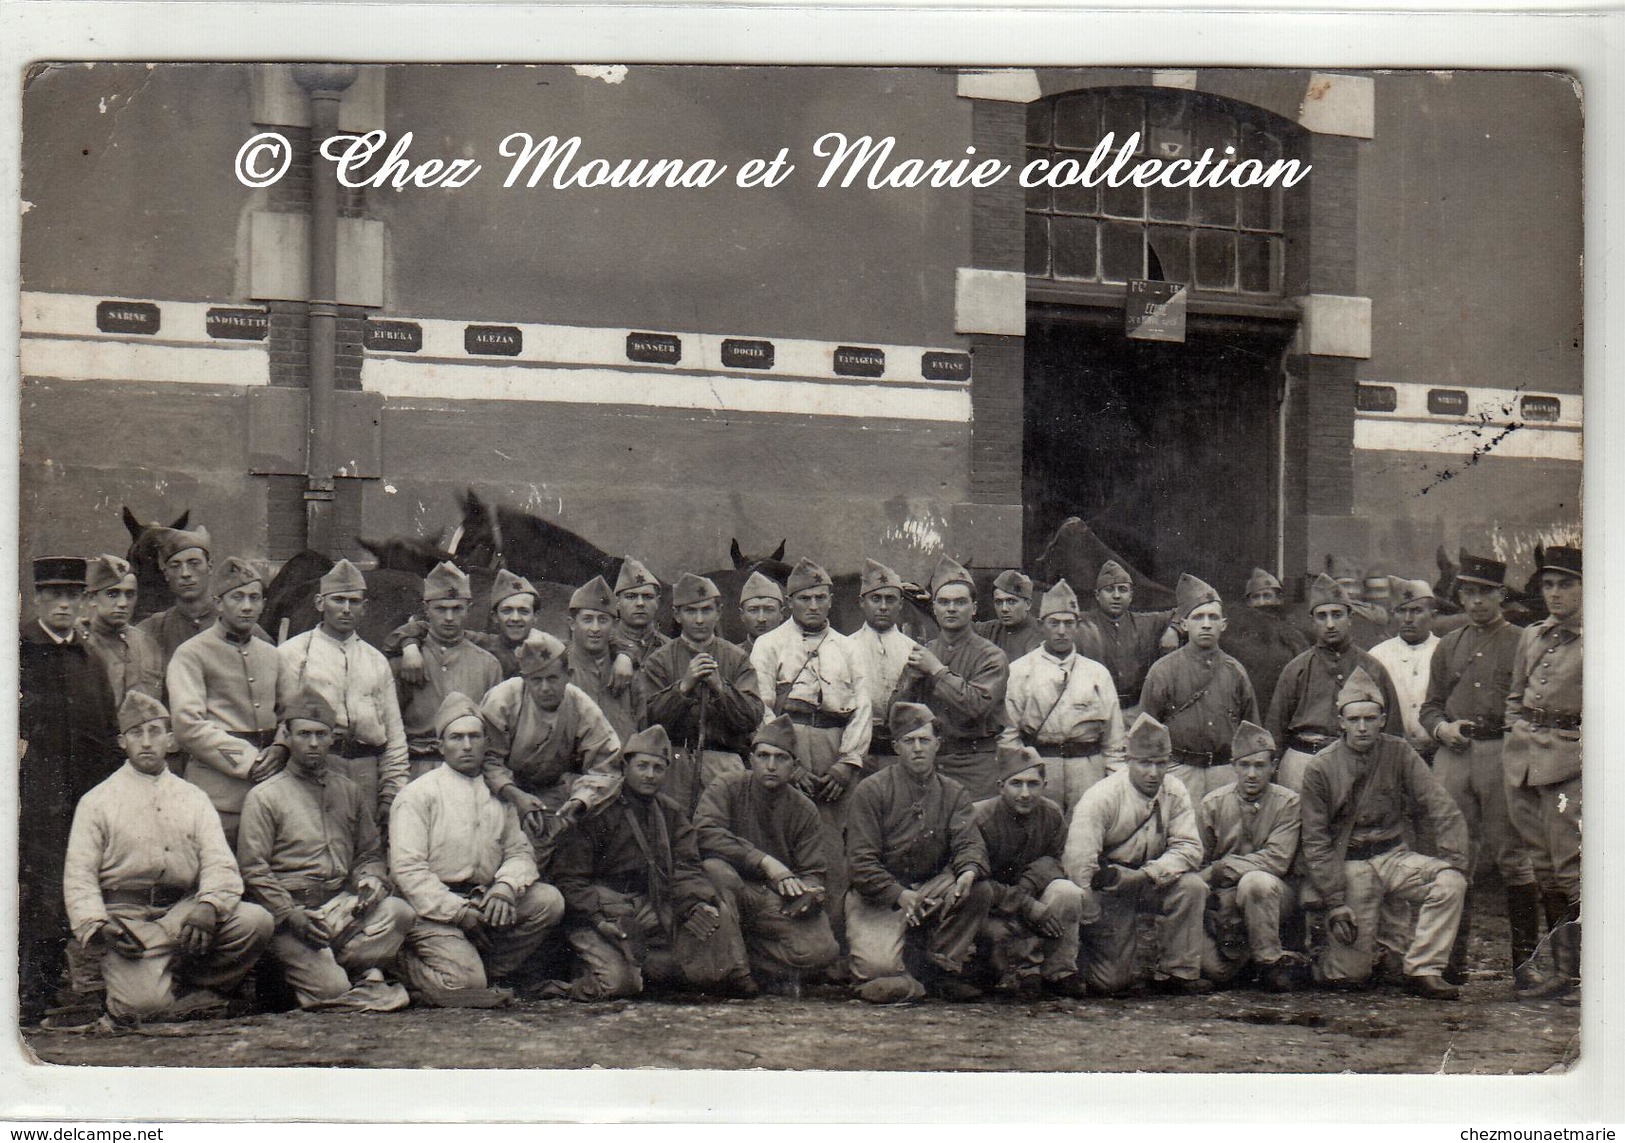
325 84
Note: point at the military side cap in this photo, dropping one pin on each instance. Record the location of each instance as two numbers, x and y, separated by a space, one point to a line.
1361 687
1250 739
1014 582
312 707
344 576
759 586
1403 591
594 595
1191 593
1343 567
877 577
806 575
907 717
780 732
1148 739
1480 569
139 707
1261 580
1561 560
233 573
1015 759
693 589
454 706
105 571
1112 572
178 541
1059 600
446 581
538 652
634 575
653 741
947 573
1325 591
507 585
59 571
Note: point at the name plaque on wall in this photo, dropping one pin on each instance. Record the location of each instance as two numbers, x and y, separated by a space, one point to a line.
393 336
654 348
855 361
945 366
127 317
493 340
1447 402
739 354
237 324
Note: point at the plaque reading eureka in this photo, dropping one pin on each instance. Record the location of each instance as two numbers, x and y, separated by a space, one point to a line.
127 317
854 361
493 340
945 366
237 324
738 354
654 348
393 336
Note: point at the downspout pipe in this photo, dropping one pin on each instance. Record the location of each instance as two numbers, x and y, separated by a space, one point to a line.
325 85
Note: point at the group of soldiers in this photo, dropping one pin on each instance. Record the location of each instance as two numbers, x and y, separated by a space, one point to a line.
994 809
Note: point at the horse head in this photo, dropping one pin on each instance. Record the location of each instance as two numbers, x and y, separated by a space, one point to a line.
771 565
407 553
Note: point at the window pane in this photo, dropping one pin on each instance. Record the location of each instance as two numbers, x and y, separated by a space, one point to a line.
1123 115
1172 246
1038 121
1167 109
1213 128
1259 144
1077 200
1215 260
1122 252
1074 248
1168 205
1126 201
1215 206
1077 122
1038 246
1258 207
1037 197
1254 259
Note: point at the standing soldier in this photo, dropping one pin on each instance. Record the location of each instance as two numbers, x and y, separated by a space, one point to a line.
185 557
1464 712
452 664
1128 642
883 650
355 679
761 607
1201 694
637 605
132 658
1269 640
763 846
961 677
1032 930
1134 848
1013 631
702 689
67 737
592 663
1064 705
1250 832
917 863
811 672
1542 761
1303 716
1408 657
223 695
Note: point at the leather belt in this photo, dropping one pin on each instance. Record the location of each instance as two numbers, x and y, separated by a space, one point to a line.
346 747
819 719
1305 743
464 887
259 739
1061 749
157 897
1370 849
1482 733
971 745
1199 759
1553 719
315 896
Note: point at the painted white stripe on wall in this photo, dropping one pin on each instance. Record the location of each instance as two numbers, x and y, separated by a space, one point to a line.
1495 405
398 377
246 363
74 315
1527 442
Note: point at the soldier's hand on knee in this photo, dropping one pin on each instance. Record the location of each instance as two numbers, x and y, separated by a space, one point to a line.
469 918
1340 922
197 930
1040 920
308 928
118 938
498 908
369 892
702 921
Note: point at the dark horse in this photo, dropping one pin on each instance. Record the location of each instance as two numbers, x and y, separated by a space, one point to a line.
152 590
394 587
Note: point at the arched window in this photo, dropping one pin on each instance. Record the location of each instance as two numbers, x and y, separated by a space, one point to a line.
1221 240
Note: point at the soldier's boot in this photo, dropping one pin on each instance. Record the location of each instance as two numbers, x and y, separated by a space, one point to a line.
1563 934
1455 970
1569 950
1523 919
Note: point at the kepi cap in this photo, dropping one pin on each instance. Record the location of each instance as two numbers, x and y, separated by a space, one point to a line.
1480 570
59 571
1561 559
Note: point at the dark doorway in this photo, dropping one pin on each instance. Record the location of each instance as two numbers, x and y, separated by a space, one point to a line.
1168 451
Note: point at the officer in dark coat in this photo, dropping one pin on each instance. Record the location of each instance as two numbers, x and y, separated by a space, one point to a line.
68 743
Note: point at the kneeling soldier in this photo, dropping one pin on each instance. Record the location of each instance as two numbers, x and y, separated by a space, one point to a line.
466 867
1250 834
149 877
310 854
1357 795
1134 848
1032 931
916 859
763 845
641 904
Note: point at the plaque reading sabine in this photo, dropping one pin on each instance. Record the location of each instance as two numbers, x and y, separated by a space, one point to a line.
127 317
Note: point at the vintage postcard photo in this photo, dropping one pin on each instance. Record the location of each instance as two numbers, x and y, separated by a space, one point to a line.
955 569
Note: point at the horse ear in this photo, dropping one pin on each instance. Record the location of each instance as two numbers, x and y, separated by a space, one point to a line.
131 524
778 553
1442 558
735 554
184 519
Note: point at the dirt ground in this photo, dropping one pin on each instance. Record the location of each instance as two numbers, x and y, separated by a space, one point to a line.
1487 1032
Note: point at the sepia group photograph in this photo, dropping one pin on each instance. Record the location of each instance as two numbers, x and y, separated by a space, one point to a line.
787 568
